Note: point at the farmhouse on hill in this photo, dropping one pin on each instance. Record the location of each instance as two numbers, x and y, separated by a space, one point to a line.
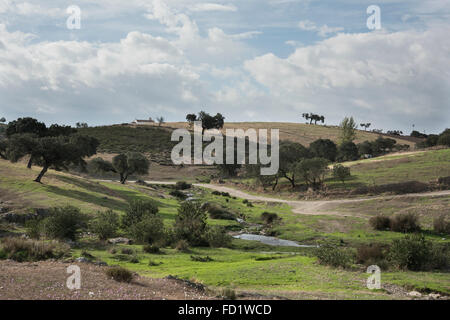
148 122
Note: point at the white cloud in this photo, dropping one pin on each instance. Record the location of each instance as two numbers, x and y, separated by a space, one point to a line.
390 78
322 31
204 7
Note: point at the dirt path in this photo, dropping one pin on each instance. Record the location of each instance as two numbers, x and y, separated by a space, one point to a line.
313 207
316 207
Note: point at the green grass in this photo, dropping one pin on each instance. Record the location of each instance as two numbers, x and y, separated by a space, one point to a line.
247 265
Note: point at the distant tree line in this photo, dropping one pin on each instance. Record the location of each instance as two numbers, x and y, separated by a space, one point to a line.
55 147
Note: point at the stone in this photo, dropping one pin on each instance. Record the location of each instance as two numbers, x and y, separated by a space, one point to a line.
434 296
120 240
414 294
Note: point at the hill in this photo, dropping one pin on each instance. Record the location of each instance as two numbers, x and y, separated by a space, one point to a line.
304 133
246 266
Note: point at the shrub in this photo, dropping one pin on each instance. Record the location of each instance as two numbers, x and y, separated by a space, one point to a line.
106 224
30 250
151 249
127 251
182 185
405 222
341 173
149 230
138 210
63 223
441 224
34 228
380 222
119 274
190 224
332 255
182 246
412 252
371 254
228 294
134 259
178 194
216 212
152 263
201 259
218 238
269 218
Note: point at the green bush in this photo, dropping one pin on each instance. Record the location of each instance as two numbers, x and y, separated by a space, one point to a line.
216 212
150 230
106 224
151 249
380 222
412 252
182 185
441 224
333 255
64 223
138 210
372 254
119 274
218 238
405 222
178 194
127 251
201 259
182 246
34 228
30 250
190 224
269 218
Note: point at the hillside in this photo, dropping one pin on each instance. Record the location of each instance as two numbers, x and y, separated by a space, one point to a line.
246 266
155 140
304 133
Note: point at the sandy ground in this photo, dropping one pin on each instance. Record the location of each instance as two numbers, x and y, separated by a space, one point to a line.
46 280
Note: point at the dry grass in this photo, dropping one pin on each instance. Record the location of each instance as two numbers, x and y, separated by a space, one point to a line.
47 281
299 132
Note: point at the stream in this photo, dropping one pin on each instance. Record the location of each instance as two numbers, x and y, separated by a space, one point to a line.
272 241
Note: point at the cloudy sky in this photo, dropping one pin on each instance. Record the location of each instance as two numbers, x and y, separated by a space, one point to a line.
251 60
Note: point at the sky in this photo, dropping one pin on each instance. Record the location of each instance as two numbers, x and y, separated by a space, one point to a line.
251 60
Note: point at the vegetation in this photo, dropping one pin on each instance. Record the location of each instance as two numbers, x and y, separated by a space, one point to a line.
119 274
106 224
31 250
123 164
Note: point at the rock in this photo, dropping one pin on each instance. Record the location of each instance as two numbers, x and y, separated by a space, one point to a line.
434 296
414 294
82 260
4 209
101 263
120 240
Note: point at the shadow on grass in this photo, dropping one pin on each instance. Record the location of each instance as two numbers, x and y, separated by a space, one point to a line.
109 203
88 185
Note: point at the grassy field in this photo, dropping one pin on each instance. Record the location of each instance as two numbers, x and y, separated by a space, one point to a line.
302 133
423 166
248 265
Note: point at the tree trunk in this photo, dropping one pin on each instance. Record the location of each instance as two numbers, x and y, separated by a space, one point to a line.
30 162
124 179
275 184
41 174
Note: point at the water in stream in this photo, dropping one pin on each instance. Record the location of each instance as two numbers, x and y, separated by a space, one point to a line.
272 241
